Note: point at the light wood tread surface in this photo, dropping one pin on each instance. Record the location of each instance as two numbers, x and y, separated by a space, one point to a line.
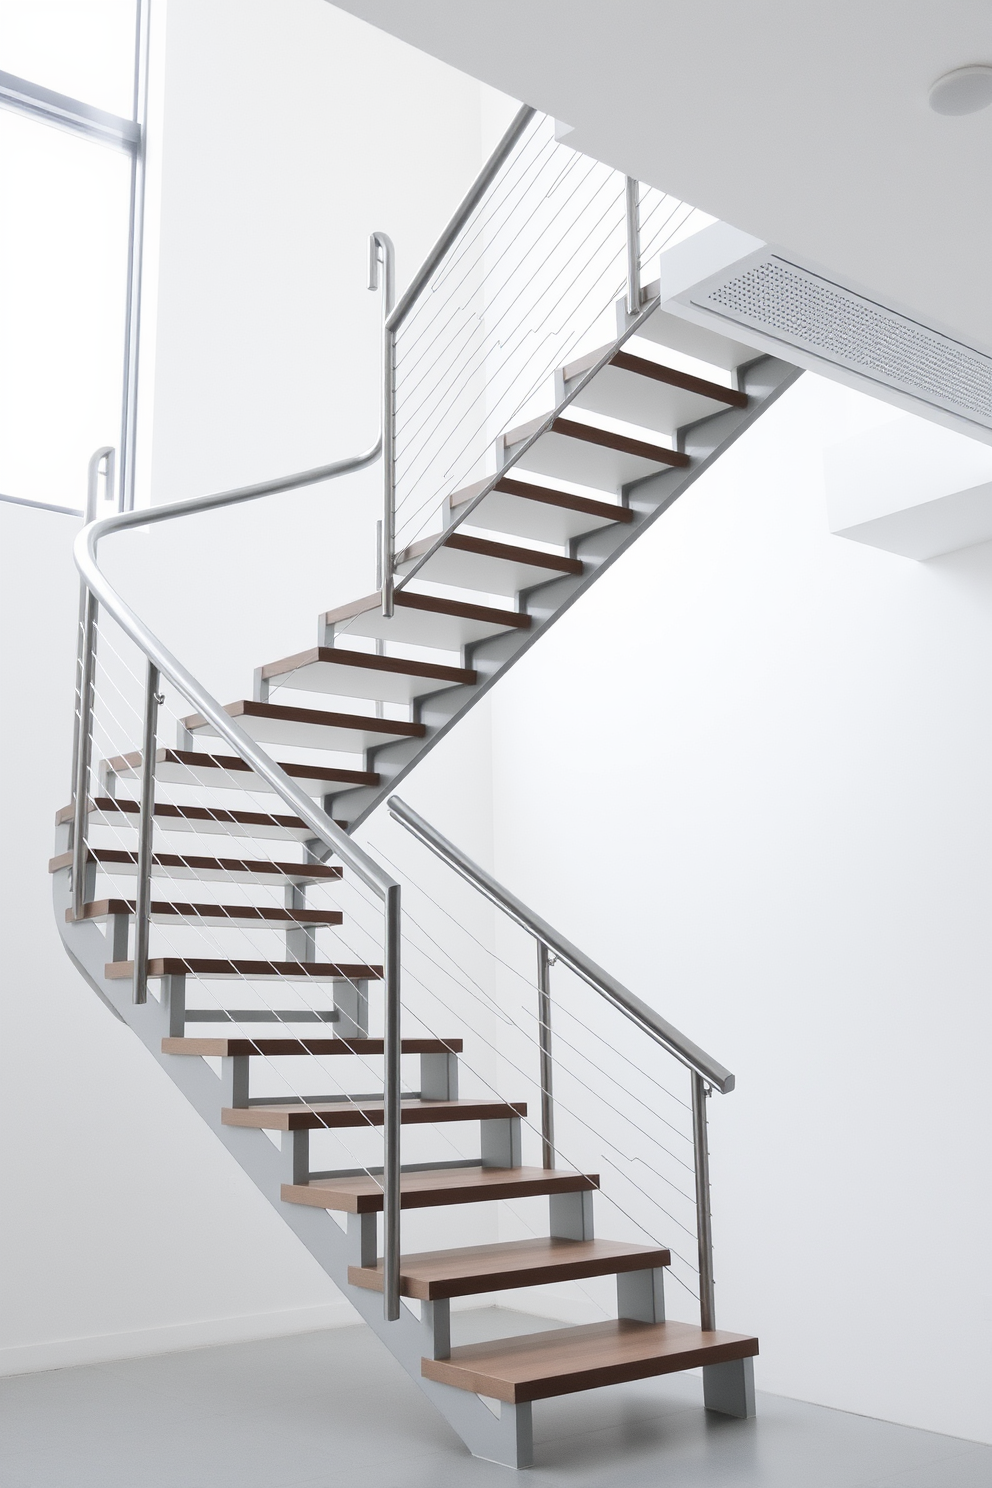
436 1187
537 1366
212 968
361 1112
218 916
510 1263
236 1048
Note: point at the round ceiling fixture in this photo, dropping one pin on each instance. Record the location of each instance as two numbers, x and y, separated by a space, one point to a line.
963 91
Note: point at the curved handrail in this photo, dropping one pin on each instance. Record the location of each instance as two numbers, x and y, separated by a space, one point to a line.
645 1017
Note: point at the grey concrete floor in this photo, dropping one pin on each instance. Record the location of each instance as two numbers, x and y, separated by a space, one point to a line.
325 1409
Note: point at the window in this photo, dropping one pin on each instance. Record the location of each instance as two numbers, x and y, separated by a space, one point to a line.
70 199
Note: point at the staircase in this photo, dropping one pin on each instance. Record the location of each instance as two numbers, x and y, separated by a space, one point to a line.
556 498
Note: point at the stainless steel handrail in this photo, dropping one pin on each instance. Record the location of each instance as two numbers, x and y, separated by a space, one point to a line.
97 590
393 321
653 1024
705 1071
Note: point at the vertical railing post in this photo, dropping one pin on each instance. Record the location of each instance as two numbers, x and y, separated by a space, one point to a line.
392 1109
381 273
631 194
82 728
146 837
547 1069
704 1227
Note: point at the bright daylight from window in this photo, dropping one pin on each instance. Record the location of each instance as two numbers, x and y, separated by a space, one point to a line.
64 245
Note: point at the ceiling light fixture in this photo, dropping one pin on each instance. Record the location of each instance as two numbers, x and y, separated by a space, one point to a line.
963 91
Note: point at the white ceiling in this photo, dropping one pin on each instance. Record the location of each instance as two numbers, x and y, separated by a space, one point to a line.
803 122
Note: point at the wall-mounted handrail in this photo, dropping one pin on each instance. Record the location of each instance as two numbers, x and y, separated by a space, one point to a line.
652 1023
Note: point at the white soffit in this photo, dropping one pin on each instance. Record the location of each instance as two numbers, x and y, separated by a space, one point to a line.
807 125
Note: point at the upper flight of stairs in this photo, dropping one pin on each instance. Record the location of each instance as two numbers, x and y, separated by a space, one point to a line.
680 422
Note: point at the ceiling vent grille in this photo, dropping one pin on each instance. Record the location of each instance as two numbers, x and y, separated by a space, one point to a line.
790 302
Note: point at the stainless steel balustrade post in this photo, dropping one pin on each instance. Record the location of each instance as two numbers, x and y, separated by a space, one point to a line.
146 833
547 1068
381 268
392 1112
704 1227
82 731
632 191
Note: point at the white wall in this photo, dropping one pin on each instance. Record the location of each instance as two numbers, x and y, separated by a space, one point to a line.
749 774
287 132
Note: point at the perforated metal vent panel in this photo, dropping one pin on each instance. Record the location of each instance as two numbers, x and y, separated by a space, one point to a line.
797 306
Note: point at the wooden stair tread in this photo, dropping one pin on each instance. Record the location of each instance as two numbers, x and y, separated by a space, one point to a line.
433 604
219 916
644 367
231 764
415 1112
537 1366
549 496
212 968
486 547
509 1263
316 717
166 811
113 856
436 1187
659 453
237 1048
368 661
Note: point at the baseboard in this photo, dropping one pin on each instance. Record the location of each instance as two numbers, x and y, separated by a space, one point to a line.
63 1353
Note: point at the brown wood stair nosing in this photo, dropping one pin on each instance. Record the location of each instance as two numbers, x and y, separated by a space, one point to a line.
166 811
218 916
473 1269
659 454
215 968
485 547
242 1048
537 1366
233 764
112 856
368 661
437 1188
627 362
432 604
550 496
413 1112
282 713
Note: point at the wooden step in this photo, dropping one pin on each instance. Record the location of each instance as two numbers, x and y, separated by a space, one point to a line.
227 771
644 392
109 811
357 674
536 1366
415 1112
214 916
468 562
510 1263
541 513
310 728
589 456
213 969
112 860
436 1187
241 1048
424 620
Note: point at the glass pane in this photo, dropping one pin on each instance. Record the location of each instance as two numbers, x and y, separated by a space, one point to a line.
63 272
84 48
